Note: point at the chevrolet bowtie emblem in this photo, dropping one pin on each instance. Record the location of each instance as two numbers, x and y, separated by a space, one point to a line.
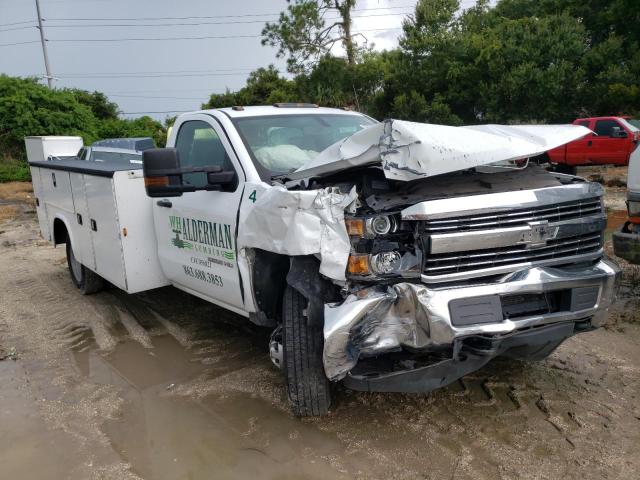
539 233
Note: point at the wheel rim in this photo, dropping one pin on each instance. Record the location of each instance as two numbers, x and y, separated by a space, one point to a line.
76 266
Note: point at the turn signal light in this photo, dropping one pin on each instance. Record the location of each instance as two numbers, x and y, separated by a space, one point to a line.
156 181
358 265
355 226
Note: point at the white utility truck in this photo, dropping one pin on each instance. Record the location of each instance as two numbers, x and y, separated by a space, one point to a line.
626 241
391 256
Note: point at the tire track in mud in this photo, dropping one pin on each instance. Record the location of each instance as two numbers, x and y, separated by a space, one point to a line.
564 417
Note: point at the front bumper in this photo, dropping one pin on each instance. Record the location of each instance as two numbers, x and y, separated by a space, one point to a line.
419 318
626 244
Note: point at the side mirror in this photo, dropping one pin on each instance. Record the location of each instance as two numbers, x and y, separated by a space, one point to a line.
617 132
161 169
163 174
223 180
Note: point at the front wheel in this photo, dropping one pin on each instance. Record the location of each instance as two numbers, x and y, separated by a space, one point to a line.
307 386
87 281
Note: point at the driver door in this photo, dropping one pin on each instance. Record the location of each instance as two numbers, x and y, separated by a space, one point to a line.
606 149
196 232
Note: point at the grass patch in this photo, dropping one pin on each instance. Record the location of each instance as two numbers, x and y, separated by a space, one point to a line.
14 171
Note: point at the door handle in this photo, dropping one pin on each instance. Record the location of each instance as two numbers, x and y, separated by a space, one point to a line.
53 177
164 203
589 143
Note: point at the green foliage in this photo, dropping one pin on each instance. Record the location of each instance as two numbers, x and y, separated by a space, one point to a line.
264 86
139 127
98 102
28 108
14 171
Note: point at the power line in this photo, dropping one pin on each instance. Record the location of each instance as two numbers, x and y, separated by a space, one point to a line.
227 74
167 111
162 90
154 39
221 69
203 23
198 17
202 37
18 28
158 97
18 43
15 23
138 39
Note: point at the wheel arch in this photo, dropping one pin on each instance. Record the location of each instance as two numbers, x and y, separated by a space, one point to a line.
61 232
268 281
272 272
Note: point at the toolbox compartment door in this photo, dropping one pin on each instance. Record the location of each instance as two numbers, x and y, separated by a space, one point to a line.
83 247
104 230
41 209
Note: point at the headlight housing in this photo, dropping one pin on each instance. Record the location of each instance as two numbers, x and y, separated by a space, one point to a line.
371 227
383 246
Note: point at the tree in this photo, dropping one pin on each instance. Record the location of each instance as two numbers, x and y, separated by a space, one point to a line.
29 108
98 102
303 35
138 127
264 86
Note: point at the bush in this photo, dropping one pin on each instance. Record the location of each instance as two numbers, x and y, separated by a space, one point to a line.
14 171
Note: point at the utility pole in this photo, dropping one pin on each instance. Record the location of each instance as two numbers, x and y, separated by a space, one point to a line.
44 47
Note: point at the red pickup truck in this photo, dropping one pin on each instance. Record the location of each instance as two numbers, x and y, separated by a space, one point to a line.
613 141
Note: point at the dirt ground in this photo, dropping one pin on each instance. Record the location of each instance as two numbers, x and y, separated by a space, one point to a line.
164 386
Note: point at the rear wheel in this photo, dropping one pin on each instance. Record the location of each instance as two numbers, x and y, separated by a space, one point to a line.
307 386
87 281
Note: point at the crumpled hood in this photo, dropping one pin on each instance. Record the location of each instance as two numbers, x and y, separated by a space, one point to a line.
409 151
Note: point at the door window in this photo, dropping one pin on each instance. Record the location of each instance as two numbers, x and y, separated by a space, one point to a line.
199 145
604 127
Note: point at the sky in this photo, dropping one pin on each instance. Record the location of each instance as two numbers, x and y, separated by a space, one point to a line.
95 45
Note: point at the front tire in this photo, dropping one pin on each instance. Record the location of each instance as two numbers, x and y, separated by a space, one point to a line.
308 389
87 281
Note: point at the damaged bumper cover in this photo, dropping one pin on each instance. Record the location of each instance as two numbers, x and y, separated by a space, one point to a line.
542 305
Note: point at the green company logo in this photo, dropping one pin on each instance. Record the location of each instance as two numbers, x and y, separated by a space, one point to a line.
202 236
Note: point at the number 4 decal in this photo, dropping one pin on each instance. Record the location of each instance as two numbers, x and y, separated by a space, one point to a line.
252 196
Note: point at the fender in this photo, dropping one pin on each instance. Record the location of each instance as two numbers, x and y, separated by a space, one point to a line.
70 234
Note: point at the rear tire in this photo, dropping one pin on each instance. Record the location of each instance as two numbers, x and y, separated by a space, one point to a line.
87 281
308 389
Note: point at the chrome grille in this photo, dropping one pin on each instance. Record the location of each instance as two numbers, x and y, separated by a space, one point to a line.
513 218
481 260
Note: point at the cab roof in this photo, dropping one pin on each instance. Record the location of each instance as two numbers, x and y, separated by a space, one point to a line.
267 110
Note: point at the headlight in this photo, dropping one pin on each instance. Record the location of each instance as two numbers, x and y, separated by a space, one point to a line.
385 262
380 225
371 227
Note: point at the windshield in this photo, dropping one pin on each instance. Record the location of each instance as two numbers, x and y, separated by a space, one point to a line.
283 143
634 123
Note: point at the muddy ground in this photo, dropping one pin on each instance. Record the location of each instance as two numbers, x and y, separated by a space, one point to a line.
164 386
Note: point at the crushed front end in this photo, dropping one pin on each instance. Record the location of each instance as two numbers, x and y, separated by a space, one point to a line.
485 265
